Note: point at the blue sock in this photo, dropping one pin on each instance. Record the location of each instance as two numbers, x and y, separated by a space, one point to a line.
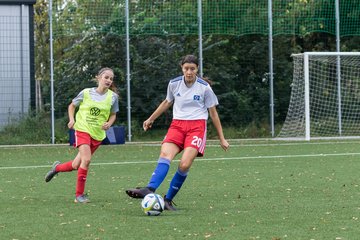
176 183
159 173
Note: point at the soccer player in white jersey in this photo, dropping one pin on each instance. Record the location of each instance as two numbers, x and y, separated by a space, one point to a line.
97 112
192 99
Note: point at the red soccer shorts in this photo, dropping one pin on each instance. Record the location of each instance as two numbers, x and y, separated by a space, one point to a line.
188 133
85 138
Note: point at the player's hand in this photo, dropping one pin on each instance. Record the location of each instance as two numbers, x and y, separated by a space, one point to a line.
224 144
71 124
105 126
147 124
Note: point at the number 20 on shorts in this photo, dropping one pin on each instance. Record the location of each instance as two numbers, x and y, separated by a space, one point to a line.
196 141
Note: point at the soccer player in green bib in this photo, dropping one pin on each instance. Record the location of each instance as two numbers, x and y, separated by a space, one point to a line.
97 112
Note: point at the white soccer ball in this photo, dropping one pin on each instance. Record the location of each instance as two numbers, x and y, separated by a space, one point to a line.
153 204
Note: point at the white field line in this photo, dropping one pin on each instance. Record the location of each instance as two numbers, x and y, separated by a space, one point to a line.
209 143
238 144
279 157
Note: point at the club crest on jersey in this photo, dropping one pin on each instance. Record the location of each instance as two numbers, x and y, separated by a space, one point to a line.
197 97
94 111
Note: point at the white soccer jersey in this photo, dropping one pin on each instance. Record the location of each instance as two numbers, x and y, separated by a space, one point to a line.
190 103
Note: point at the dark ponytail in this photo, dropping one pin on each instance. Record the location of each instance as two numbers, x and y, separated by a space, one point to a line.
206 79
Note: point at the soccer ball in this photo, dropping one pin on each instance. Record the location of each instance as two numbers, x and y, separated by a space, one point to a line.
153 204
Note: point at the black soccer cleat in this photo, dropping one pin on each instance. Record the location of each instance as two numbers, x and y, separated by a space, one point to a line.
52 172
169 204
139 192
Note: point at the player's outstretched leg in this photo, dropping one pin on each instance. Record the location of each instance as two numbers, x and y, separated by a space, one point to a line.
139 192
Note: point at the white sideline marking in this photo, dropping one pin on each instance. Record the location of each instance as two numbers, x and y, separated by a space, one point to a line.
203 160
209 143
239 145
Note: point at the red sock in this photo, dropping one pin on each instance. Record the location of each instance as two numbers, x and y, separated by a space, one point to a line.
64 167
81 180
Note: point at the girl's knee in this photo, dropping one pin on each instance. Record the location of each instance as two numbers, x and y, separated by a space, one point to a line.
166 155
75 165
86 161
184 166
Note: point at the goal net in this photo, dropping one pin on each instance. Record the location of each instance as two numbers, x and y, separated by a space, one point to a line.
325 96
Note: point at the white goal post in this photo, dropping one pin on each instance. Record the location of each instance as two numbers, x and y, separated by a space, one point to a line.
325 96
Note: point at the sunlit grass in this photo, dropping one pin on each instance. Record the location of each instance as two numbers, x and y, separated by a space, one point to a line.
256 190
